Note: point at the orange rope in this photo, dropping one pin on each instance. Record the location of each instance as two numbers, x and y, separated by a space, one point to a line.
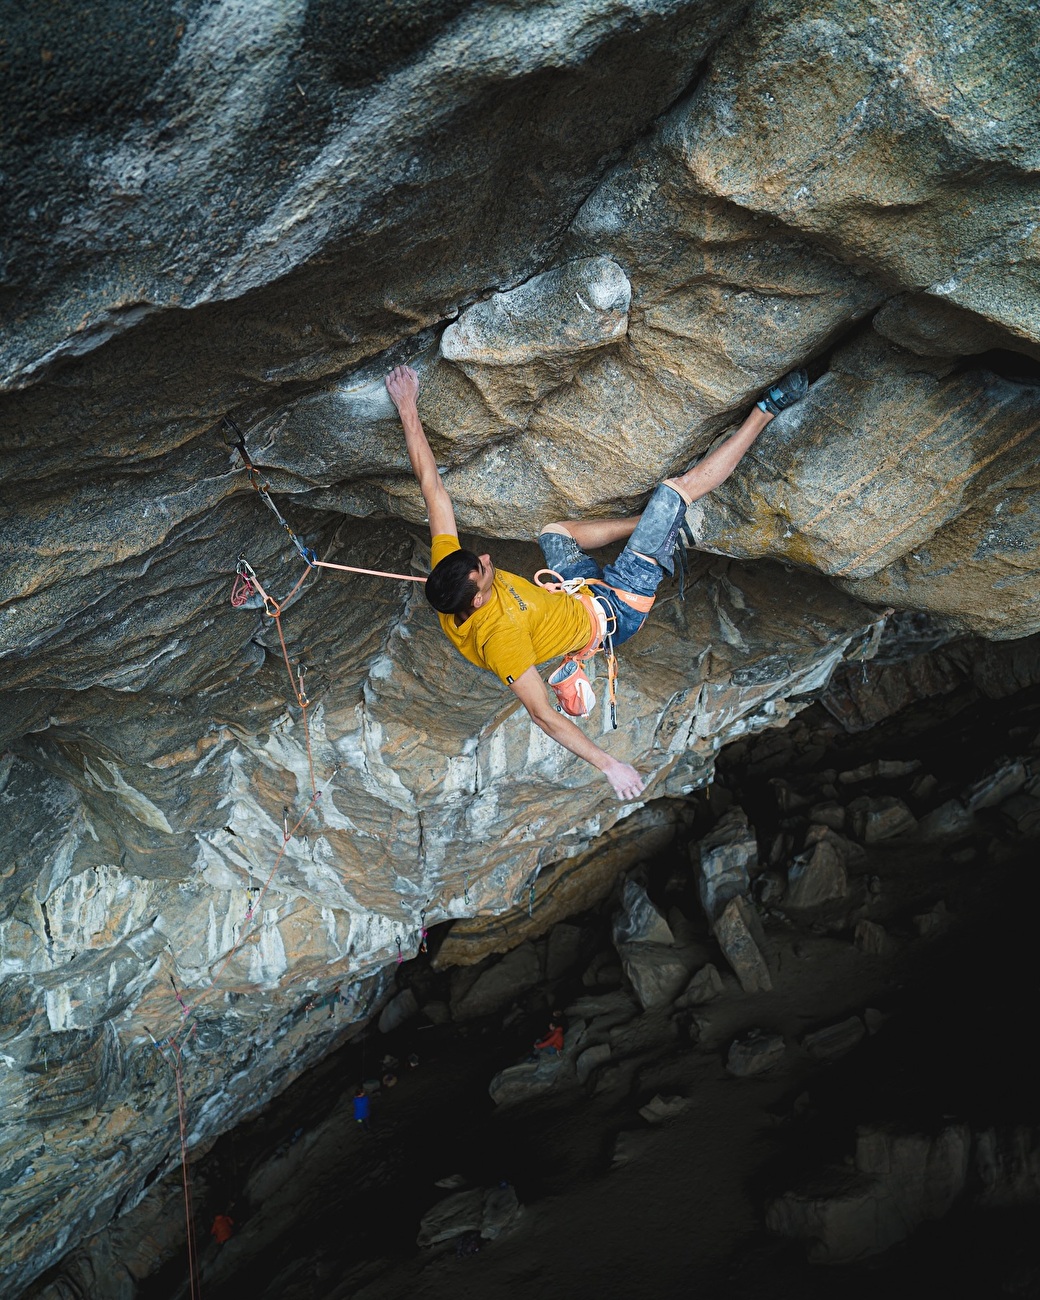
372 573
193 1267
194 1281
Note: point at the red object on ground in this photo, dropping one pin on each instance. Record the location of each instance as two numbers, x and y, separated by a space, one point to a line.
223 1228
554 1038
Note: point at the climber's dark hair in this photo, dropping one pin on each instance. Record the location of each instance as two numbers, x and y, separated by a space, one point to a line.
450 587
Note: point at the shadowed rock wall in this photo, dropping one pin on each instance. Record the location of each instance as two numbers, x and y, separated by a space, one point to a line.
598 229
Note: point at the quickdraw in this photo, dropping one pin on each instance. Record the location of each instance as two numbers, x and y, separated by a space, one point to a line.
238 442
244 591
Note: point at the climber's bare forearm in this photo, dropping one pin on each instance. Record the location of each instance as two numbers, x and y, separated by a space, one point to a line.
403 386
530 690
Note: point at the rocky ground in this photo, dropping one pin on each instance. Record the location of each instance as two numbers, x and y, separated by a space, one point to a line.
866 1124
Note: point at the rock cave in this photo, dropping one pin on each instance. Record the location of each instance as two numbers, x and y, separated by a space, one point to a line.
794 978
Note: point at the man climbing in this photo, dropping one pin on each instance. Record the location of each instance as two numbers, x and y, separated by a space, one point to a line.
506 624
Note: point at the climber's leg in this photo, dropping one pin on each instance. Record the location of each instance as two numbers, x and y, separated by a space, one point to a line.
719 464
564 555
591 534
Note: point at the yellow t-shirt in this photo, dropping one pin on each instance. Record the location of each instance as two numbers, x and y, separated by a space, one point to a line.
520 625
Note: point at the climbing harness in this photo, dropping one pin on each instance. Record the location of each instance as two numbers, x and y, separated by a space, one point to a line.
569 683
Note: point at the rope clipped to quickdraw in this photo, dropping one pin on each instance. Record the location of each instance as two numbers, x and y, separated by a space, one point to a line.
176 993
465 888
423 932
400 954
273 608
238 442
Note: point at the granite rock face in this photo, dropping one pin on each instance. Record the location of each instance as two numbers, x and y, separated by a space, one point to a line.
597 228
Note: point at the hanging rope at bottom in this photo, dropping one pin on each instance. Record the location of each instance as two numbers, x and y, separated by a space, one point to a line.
175 1062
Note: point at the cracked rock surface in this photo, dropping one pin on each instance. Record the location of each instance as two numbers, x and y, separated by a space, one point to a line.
598 228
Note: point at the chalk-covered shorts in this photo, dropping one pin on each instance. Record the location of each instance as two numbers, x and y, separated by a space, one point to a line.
629 571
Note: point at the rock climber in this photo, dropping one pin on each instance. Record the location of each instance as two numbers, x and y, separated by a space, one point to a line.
362 1107
223 1229
506 624
552 1043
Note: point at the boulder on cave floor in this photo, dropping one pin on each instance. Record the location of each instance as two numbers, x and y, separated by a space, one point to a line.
659 1110
835 1040
398 1011
704 986
533 1078
603 1012
897 1182
816 877
949 821
486 1211
995 787
754 1053
590 1060
526 1081
726 858
852 855
1022 811
873 820
562 950
656 973
638 920
830 814
883 768
741 938
871 938
498 985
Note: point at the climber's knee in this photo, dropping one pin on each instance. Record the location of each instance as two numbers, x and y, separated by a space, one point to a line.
556 528
657 532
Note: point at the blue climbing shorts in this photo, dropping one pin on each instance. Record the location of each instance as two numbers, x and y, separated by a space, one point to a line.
629 572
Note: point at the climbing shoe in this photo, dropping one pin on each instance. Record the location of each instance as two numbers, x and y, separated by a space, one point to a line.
785 392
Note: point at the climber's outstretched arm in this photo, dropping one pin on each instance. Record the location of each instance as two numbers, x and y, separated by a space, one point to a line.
402 383
530 690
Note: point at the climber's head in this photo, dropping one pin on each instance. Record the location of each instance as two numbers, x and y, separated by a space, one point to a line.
460 583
